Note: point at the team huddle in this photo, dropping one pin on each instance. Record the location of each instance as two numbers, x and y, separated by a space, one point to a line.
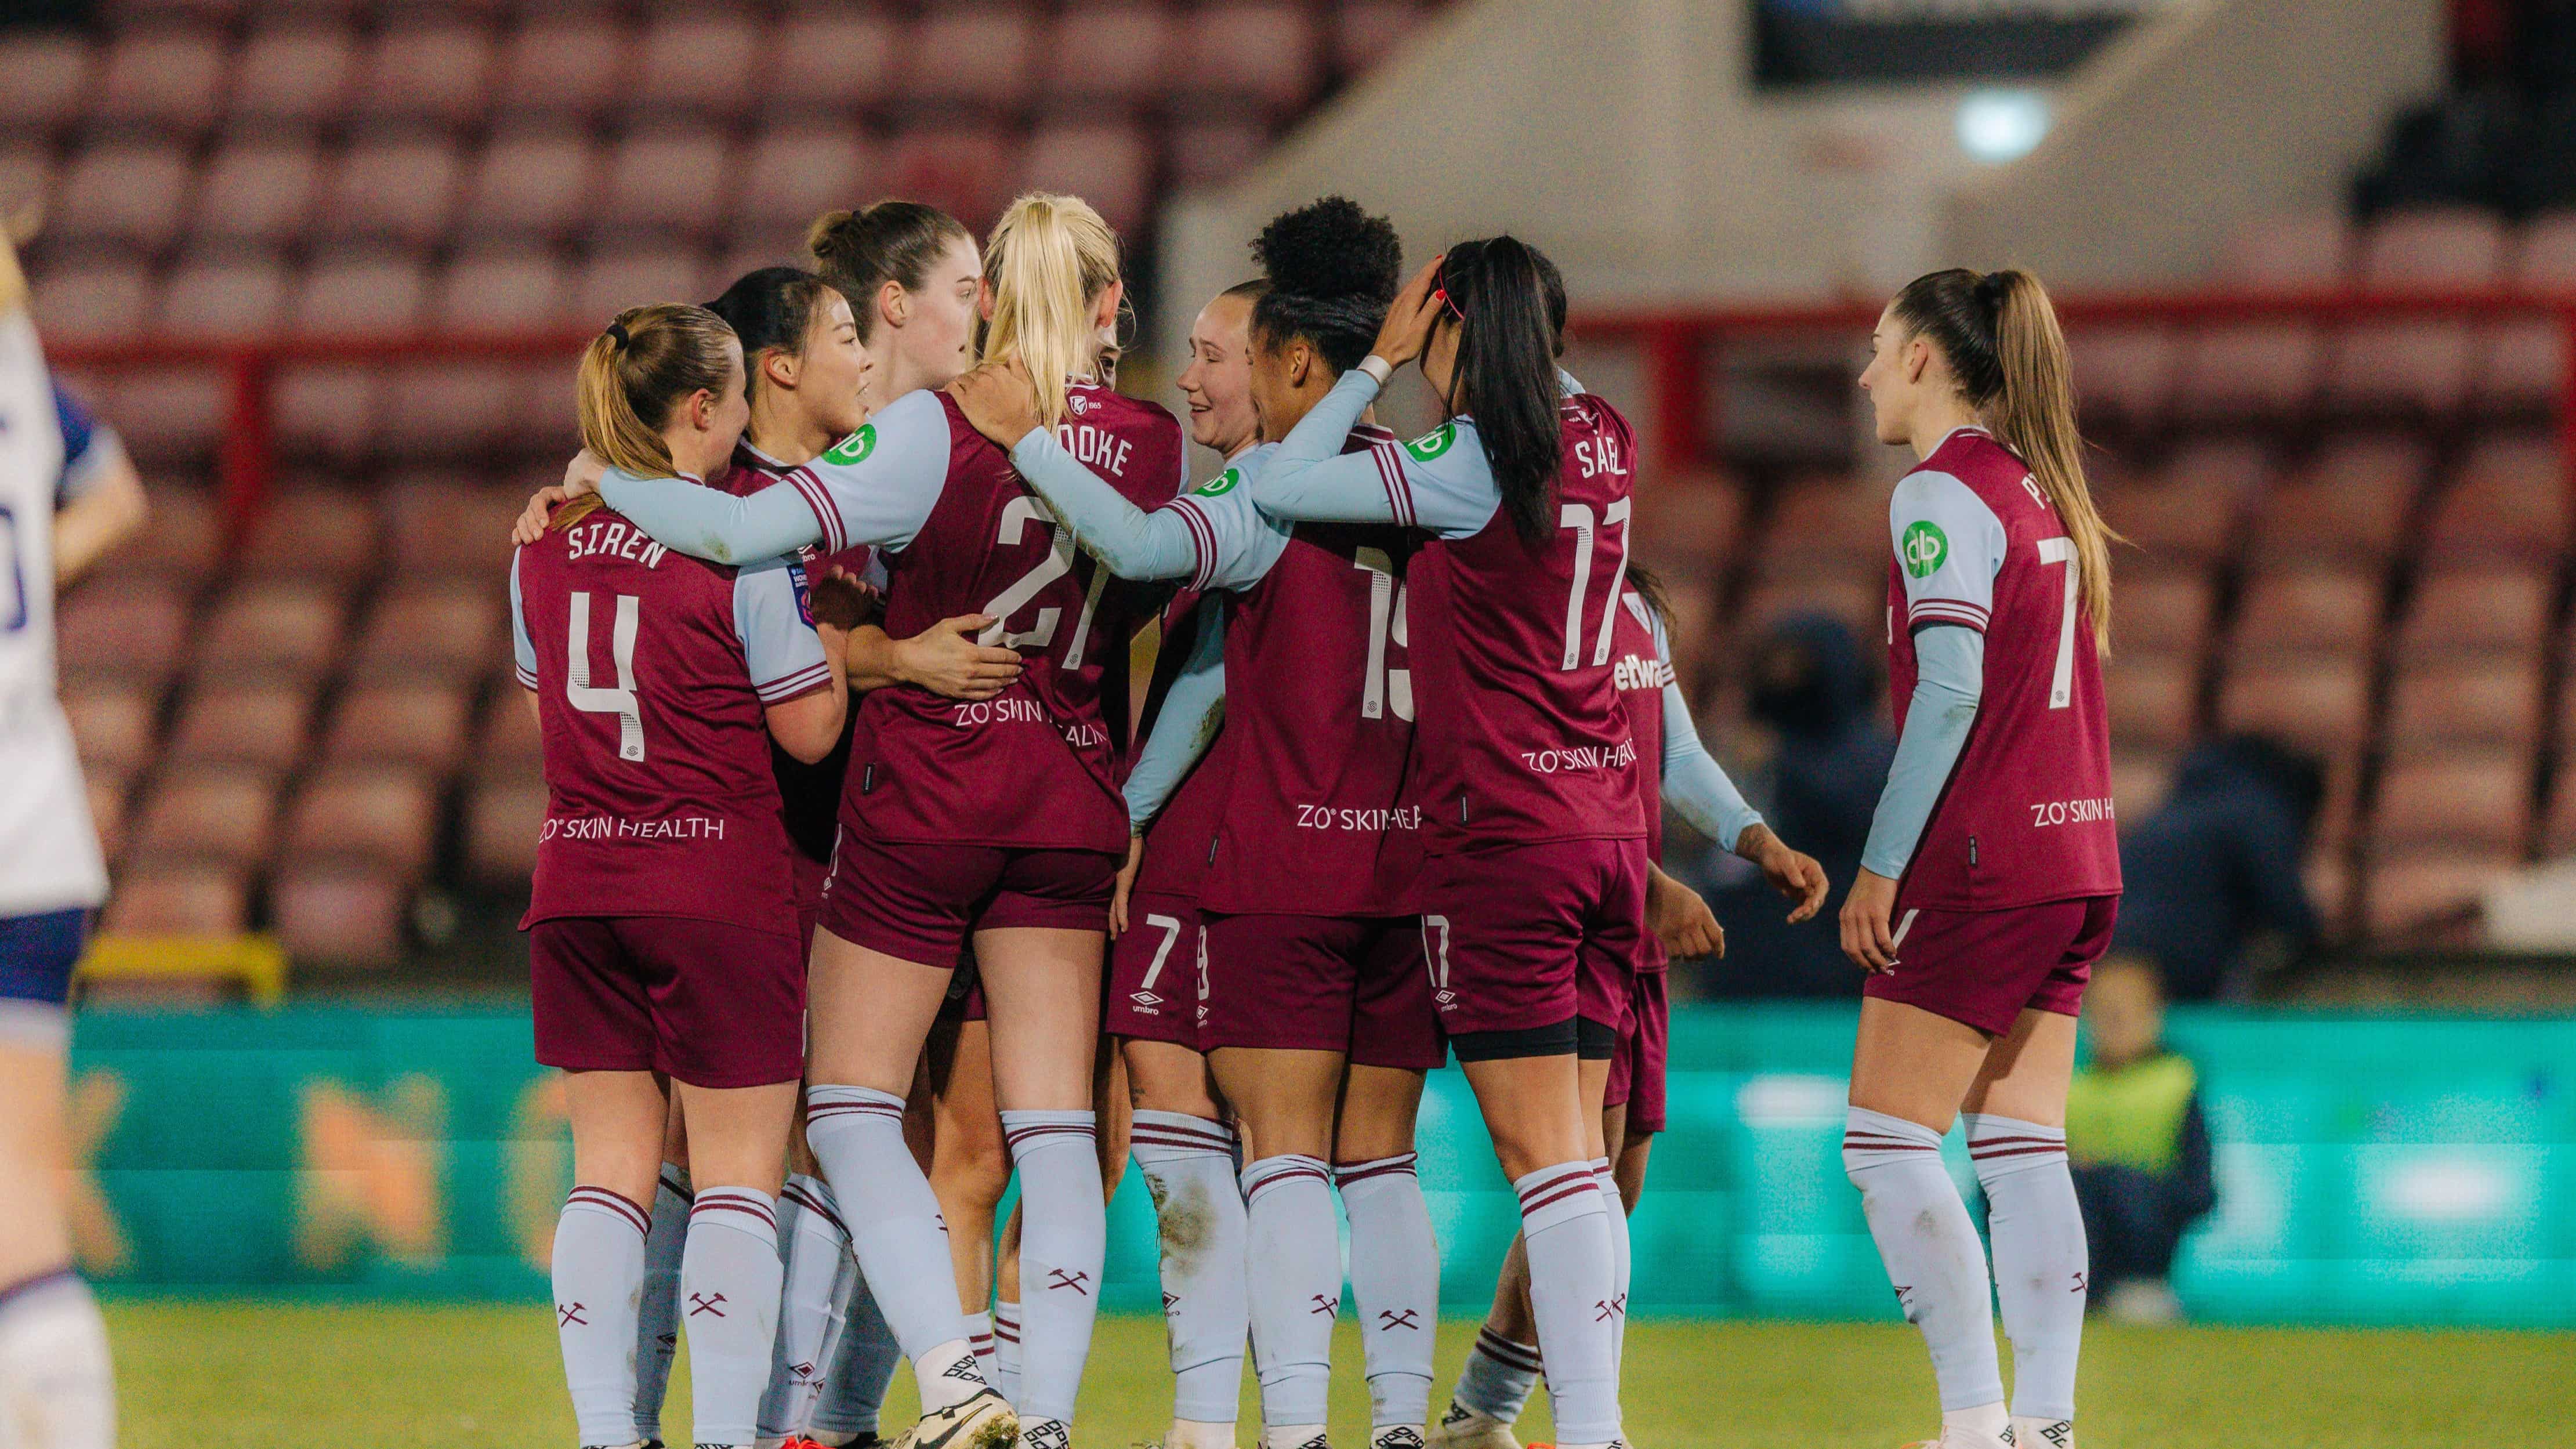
864 892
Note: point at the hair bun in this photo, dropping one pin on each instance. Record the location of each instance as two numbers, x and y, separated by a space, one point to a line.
1332 248
618 335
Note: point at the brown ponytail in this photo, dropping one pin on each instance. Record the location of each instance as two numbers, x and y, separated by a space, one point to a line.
892 241
1999 334
632 375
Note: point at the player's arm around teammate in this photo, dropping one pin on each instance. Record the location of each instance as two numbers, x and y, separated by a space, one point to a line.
1991 876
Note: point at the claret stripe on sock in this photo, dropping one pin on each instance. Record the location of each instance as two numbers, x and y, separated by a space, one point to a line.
1521 1356
1982 1154
812 1204
721 1201
1349 1173
1166 1134
1017 1137
1558 1188
614 1202
1874 1142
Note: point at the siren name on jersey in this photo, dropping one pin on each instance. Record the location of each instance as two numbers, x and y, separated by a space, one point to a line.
50 451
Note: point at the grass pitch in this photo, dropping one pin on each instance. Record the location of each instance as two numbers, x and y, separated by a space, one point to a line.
249 1375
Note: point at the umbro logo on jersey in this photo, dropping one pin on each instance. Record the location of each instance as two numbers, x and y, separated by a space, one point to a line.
1145 999
1434 443
854 448
1924 548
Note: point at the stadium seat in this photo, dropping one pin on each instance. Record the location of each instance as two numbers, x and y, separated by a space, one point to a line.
2320 702
2474 799
132 629
711 64
1833 519
2186 512
385 815
114 722
2474 701
48 74
1110 166
1262 53
400 188
2472 610
339 912
297 75
1366 32
2413 891
1688 521
2122 374
823 62
2303 252
26 174
170 77
2248 371
2524 369
978 58
503 816
1114 52
177 898
417 722
2322 611
2161 612
449 629
566 63
1859 607
2153 698
2508 502
314 533
360 292
101 298
613 281
2454 247
434 71
257 191
214 813
1213 151
535 183
327 411
233 721
241 295
2348 504
795 174
292 628
500 288
964 170
122 191
666 182
166 415
181 544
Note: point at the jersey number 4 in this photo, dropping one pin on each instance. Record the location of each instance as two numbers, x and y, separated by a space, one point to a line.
620 701
1016 517
1580 518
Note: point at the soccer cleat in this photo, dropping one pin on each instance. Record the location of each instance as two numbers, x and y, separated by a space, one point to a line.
1396 1436
2028 1433
1464 1428
1955 1436
985 1421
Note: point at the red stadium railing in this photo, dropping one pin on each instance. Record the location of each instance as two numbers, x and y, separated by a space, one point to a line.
1681 350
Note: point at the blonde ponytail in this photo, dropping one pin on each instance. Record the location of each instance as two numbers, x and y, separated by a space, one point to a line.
1049 259
13 282
2035 416
2000 336
632 375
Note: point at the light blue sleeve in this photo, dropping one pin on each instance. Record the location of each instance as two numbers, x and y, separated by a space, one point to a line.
1131 542
774 618
1951 659
1311 479
1949 545
1694 783
1192 709
523 651
703 523
878 485
1237 542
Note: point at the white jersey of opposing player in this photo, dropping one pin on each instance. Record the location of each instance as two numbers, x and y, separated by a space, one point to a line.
49 856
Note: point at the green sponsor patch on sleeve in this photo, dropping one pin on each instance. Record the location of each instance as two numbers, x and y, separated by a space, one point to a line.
1923 549
1434 443
1222 483
854 448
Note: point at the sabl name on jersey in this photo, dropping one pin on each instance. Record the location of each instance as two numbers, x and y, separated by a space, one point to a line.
1639 671
1599 455
613 539
1095 447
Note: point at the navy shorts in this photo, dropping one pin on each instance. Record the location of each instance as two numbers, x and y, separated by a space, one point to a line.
37 954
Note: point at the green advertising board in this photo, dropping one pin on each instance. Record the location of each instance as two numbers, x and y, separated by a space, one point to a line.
2371 1170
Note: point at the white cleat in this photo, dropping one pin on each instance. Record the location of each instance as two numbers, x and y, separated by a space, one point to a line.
2042 1433
1958 1437
1464 1428
982 1422
1396 1436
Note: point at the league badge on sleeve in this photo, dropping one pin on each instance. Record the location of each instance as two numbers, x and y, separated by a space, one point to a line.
804 594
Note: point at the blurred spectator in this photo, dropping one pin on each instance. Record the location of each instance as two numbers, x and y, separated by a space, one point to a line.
2218 865
2137 1143
1811 684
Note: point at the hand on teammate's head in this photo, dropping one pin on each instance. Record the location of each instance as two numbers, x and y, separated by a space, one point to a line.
1407 329
531 522
999 399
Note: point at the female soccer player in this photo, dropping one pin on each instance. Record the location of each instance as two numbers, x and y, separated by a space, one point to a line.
999 816
1675 769
1992 871
1533 890
1312 1000
662 924
67 493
